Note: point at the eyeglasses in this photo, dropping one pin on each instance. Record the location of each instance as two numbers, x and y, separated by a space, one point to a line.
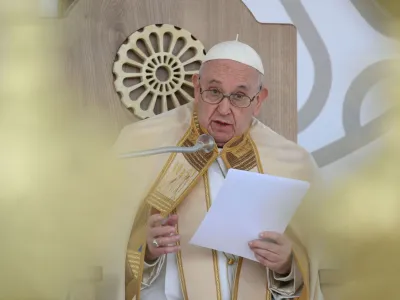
214 96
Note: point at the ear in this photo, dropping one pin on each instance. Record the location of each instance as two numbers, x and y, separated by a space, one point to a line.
262 96
196 84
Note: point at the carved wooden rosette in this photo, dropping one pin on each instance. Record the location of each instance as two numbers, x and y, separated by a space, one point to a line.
154 68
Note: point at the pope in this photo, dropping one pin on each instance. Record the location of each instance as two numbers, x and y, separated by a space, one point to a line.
179 188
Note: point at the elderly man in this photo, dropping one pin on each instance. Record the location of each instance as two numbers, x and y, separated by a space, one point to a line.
160 263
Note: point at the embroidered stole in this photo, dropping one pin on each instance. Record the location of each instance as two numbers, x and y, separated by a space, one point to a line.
182 187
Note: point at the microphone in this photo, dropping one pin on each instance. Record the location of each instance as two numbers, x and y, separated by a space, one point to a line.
205 143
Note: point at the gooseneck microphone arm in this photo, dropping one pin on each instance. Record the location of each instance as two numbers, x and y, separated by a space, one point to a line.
204 143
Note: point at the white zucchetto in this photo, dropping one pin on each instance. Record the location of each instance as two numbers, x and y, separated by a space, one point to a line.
237 51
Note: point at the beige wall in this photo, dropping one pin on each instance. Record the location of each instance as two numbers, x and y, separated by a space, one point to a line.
97 28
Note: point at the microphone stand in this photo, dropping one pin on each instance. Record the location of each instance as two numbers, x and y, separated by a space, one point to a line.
204 143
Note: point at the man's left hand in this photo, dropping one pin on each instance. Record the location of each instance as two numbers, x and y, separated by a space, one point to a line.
274 251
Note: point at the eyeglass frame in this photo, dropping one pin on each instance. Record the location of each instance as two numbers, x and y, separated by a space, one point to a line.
228 97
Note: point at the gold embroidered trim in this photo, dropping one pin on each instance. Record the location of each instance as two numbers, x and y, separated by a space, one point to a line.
180 270
134 258
269 296
236 281
193 183
207 191
197 159
196 124
140 277
245 162
182 276
136 247
159 201
214 253
237 141
258 159
216 273
152 197
239 153
200 162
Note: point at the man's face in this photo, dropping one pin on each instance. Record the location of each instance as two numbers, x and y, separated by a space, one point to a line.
224 120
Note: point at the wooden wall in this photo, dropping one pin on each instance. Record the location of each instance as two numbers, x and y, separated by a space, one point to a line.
95 29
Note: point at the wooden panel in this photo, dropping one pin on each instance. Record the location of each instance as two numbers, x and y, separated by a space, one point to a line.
97 28
65 6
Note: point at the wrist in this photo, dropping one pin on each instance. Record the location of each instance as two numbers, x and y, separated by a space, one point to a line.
286 269
149 259
283 272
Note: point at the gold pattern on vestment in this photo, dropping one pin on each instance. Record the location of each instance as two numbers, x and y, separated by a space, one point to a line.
178 177
235 288
215 254
180 174
180 269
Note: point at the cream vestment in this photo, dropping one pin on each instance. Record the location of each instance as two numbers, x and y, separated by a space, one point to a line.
186 184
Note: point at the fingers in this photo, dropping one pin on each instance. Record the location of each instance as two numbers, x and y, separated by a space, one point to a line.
158 220
266 251
267 255
273 237
168 241
265 245
273 251
166 245
155 220
265 262
172 220
157 252
162 231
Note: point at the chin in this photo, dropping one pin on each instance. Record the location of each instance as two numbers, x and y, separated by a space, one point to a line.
221 137
222 141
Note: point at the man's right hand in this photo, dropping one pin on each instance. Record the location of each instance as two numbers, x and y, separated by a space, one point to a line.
163 233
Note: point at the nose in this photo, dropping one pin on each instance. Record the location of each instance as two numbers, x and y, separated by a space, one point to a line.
224 107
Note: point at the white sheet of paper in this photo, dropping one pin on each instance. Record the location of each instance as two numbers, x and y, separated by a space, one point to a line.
247 204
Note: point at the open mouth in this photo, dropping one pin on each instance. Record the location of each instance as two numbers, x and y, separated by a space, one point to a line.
222 123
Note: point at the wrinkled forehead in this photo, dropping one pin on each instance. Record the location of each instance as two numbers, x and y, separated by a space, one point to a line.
229 72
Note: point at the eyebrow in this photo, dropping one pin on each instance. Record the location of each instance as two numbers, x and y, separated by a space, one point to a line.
244 87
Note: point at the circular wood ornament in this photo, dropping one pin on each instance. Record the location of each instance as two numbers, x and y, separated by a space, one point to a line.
154 68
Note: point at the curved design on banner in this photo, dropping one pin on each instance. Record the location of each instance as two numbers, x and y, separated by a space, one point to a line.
341 73
322 64
375 15
356 134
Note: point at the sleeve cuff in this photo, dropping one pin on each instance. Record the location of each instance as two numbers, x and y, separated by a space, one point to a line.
152 264
288 277
151 271
289 286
